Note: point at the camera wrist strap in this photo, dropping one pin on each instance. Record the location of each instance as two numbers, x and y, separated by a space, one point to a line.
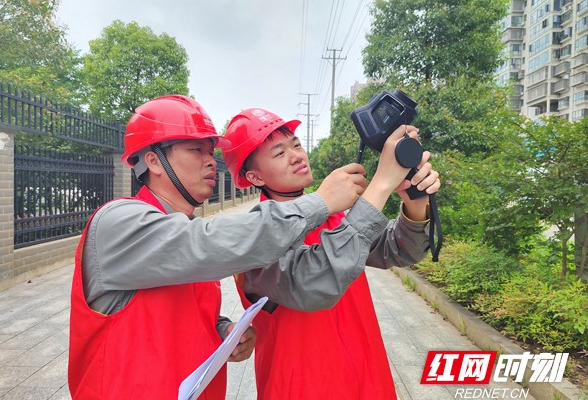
434 228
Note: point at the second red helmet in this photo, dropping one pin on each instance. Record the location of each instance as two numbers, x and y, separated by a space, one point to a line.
246 131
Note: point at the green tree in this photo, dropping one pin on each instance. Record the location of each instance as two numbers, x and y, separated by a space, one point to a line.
128 65
34 53
553 180
29 34
442 53
434 40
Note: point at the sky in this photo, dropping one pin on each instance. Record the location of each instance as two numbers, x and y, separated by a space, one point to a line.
247 53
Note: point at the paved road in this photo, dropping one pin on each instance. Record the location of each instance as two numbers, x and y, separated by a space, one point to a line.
34 319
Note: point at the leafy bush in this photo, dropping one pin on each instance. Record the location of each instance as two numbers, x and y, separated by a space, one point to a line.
468 270
533 310
525 299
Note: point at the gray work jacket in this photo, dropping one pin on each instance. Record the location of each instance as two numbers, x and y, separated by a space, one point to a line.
132 245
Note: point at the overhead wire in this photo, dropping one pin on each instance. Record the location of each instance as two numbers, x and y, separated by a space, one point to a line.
303 31
336 27
333 28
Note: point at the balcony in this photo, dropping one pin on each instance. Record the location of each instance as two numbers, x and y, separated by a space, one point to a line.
519 5
561 68
580 60
538 76
537 93
563 52
513 34
561 85
580 79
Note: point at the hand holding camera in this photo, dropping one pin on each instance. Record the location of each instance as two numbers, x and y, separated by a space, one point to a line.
380 125
391 173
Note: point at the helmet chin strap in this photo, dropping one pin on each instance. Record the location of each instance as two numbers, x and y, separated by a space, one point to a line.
173 177
296 193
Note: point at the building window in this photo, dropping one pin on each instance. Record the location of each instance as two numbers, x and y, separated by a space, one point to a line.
538 61
536 31
516 20
563 103
516 49
579 114
582 24
537 3
580 97
582 42
541 12
539 45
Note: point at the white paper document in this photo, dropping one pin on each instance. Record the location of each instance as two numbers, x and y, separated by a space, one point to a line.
195 384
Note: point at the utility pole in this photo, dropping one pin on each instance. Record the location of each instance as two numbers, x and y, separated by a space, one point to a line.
312 125
308 115
333 60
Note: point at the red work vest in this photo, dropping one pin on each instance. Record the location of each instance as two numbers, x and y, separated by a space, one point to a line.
329 354
145 350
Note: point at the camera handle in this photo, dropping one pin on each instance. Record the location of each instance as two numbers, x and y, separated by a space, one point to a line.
409 153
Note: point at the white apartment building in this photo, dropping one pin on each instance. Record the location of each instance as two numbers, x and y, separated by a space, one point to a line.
547 48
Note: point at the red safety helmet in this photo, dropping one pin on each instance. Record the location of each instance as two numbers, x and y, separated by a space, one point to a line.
172 117
246 131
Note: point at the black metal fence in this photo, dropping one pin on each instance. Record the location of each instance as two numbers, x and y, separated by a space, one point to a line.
37 114
55 192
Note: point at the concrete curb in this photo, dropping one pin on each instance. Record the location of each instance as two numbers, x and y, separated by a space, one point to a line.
483 335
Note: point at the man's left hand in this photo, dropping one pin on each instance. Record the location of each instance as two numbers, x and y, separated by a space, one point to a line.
246 344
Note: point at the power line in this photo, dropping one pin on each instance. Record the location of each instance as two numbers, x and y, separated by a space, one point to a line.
303 29
338 23
359 7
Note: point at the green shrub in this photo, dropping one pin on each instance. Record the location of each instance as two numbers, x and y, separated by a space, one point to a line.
525 299
532 310
467 270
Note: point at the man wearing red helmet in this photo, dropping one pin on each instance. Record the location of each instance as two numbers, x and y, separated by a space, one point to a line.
336 353
145 297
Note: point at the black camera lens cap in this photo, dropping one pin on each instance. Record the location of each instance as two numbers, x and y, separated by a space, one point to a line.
409 152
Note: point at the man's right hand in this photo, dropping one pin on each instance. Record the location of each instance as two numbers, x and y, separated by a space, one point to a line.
342 187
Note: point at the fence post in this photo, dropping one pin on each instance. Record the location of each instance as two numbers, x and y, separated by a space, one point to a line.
7 267
221 189
233 194
122 176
